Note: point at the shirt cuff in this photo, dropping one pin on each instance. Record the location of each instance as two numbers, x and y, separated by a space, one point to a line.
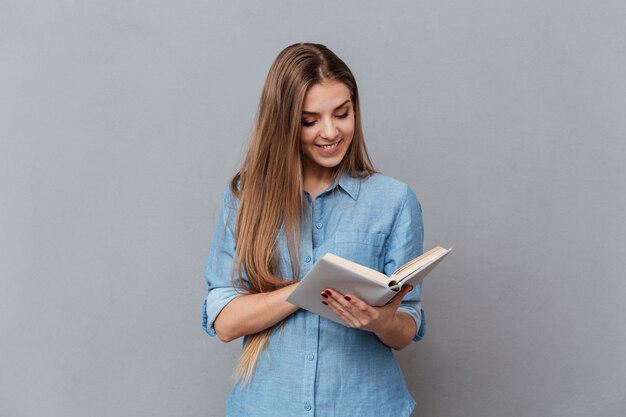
213 305
418 316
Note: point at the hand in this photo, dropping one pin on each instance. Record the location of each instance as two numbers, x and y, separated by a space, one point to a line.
360 315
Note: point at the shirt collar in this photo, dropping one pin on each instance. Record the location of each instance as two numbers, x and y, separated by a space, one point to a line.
349 184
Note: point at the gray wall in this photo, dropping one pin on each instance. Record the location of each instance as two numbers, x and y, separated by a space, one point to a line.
120 123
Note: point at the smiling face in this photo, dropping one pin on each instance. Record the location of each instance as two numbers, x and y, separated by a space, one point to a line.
327 128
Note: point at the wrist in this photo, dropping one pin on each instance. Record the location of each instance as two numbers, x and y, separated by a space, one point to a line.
388 327
398 334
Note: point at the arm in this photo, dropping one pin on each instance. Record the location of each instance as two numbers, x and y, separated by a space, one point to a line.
402 319
399 333
227 312
406 242
248 314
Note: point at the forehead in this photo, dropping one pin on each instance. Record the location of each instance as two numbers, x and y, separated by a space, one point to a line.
325 96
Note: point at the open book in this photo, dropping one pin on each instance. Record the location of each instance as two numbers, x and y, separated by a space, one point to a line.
347 277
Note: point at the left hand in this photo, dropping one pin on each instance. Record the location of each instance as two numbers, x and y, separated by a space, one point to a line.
360 315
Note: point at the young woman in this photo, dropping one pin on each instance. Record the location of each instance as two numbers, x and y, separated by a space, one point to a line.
307 187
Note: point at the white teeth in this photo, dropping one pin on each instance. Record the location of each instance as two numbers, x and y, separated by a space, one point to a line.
330 146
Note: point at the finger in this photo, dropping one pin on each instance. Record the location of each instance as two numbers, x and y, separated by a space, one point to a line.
342 313
342 301
360 309
341 306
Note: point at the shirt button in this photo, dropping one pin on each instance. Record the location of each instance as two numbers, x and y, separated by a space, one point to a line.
308 259
307 406
310 356
318 225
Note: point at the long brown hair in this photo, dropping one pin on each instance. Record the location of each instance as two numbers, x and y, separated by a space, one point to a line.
269 183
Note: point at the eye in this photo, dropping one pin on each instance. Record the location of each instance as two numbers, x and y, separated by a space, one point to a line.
307 124
343 116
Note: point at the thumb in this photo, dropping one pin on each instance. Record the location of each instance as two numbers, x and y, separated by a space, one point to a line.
397 299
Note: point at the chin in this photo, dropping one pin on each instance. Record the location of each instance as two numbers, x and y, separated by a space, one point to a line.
332 163
315 159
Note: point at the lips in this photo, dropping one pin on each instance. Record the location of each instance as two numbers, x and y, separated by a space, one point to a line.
331 146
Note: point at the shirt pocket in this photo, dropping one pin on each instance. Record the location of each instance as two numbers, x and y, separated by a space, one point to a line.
363 248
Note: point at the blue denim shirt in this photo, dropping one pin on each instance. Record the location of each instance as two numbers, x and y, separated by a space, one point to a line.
313 366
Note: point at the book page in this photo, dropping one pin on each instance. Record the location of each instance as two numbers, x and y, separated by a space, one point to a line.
415 264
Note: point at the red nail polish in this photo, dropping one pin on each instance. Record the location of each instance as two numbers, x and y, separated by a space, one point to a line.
328 292
323 294
324 302
347 297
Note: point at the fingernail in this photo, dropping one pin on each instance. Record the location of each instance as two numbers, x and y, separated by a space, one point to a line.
323 294
324 302
347 297
328 292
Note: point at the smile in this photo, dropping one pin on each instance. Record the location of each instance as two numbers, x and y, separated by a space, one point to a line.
329 147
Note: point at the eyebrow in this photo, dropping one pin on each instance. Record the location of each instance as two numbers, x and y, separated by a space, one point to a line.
336 108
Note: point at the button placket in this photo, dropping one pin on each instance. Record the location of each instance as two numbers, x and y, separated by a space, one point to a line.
307 249
317 229
312 323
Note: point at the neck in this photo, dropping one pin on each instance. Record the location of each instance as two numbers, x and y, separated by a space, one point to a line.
316 180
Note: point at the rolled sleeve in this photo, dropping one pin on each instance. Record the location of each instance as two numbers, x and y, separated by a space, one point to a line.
219 268
414 309
215 301
406 242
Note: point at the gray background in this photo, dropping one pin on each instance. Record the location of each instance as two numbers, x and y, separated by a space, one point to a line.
121 122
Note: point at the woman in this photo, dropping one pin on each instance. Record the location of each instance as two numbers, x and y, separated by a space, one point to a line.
307 187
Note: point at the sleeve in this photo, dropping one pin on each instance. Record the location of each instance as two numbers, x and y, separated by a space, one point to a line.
406 242
219 267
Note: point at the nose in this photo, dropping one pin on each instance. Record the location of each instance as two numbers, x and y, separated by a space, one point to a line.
329 130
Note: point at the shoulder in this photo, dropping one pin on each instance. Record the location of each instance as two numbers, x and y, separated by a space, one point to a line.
391 190
229 205
229 199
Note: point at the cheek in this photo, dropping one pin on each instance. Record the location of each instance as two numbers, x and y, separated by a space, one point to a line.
306 137
348 126
348 134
